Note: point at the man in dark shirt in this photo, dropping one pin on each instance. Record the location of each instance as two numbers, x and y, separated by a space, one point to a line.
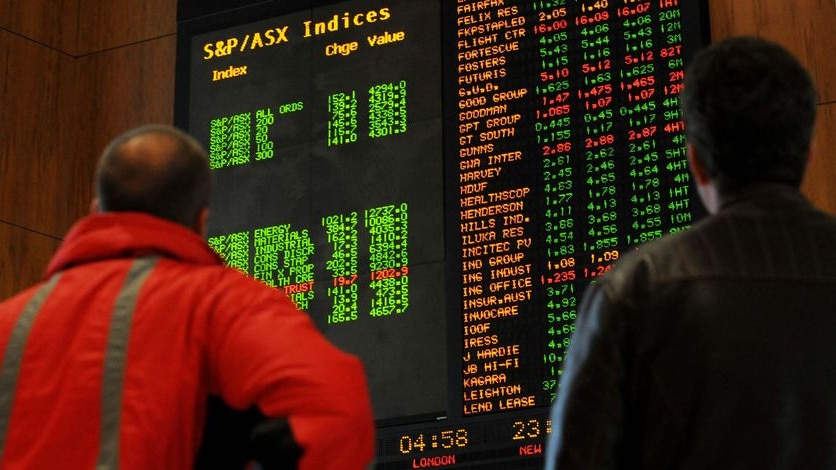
716 347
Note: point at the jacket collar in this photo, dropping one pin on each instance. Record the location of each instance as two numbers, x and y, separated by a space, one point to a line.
114 235
763 194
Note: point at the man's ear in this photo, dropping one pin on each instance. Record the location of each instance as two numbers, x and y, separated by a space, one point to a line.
94 206
705 186
696 167
202 220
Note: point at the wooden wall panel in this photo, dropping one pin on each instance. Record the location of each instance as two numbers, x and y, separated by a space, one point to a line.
23 258
128 86
50 22
38 137
820 181
115 23
62 104
805 27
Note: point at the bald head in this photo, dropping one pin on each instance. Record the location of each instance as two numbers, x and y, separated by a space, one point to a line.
158 170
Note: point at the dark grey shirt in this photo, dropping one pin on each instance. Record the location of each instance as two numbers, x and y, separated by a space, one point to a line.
712 348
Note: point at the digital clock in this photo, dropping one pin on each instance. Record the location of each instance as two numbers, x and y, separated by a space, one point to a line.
447 439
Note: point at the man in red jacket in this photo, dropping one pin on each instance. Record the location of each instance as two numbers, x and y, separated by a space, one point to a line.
110 361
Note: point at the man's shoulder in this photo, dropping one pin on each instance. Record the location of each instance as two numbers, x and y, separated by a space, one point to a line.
734 244
14 305
667 258
232 285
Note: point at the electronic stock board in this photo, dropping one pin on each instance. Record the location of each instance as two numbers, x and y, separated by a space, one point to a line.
437 182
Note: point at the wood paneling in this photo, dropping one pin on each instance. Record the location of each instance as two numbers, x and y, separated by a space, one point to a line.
807 28
50 22
81 27
116 23
23 258
39 137
820 181
128 86
60 108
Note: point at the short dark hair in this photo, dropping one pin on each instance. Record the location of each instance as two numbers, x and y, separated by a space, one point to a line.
749 109
155 169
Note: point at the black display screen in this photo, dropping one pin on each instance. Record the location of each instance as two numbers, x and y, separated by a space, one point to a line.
436 183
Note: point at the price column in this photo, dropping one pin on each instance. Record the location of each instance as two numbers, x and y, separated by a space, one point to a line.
640 110
556 137
387 109
388 228
600 144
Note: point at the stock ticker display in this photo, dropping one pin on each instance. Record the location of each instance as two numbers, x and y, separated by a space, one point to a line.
436 183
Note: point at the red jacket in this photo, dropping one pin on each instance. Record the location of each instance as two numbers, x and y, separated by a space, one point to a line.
190 327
